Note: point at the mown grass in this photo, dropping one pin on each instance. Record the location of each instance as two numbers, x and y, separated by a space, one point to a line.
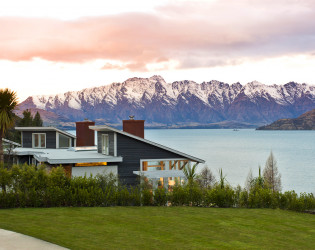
164 227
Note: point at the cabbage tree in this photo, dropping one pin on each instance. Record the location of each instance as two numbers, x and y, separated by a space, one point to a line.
8 102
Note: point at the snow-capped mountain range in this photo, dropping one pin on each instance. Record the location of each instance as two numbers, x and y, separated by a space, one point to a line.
158 102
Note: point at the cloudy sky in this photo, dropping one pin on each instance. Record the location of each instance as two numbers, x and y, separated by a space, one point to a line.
48 47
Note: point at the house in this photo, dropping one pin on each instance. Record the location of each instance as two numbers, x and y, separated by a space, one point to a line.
123 152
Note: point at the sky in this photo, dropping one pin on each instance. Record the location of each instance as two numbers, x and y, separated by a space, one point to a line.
49 47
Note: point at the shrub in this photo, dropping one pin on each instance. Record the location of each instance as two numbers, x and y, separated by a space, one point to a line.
30 186
179 195
160 197
220 197
195 194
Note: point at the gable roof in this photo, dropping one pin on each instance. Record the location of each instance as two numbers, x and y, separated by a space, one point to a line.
42 129
108 128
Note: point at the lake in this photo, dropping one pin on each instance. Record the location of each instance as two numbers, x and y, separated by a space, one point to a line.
236 152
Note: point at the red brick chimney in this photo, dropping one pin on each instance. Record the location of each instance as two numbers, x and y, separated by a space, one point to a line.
85 136
135 127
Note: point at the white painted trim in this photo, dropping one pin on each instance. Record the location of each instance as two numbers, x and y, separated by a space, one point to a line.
33 144
57 140
115 144
39 129
161 174
11 142
105 137
69 161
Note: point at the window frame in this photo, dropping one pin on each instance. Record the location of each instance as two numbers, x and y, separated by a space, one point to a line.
69 138
105 138
39 141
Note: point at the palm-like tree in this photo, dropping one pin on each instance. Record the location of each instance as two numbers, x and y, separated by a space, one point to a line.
8 102
190 172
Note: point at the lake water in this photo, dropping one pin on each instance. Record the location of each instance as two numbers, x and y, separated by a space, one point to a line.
236 152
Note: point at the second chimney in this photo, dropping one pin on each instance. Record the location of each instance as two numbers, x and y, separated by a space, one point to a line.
135 127
85 136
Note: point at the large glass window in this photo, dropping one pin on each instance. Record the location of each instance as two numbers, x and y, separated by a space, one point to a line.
64 141
39 140
105 144
169 179
164 165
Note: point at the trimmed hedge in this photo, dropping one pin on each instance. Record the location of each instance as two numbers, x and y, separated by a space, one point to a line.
30 186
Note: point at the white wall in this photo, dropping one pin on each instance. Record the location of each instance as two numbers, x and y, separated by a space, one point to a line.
81 171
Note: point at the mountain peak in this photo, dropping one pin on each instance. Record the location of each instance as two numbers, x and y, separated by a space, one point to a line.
157 78
185 101
255 84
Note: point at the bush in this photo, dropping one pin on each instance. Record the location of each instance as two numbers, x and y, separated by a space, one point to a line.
220 197
160 197
179 195
30 186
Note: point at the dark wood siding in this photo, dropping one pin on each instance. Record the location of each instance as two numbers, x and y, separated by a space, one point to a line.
111 142
50 138
133 151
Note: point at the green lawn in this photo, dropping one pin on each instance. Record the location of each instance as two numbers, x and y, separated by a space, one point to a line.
164 227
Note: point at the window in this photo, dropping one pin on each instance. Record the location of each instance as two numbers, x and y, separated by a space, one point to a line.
39 140
173 167
64 141
105 145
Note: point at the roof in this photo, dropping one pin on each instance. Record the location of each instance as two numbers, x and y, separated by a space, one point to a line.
66 156
108 128
11 142
45 129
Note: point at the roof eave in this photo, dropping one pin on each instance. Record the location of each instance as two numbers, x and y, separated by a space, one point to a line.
107 128
86 160
45 129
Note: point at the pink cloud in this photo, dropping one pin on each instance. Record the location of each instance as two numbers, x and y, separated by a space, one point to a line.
194 34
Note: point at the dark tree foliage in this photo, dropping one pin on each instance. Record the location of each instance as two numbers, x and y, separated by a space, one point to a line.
37 121
29 121
12 134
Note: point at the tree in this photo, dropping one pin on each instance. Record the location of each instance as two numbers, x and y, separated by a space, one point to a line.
37 121
206 179
12 134
249 180
27 120
271 175
8 102
222 179
258 181
190 172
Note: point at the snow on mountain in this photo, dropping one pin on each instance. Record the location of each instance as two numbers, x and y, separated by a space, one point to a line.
181 101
